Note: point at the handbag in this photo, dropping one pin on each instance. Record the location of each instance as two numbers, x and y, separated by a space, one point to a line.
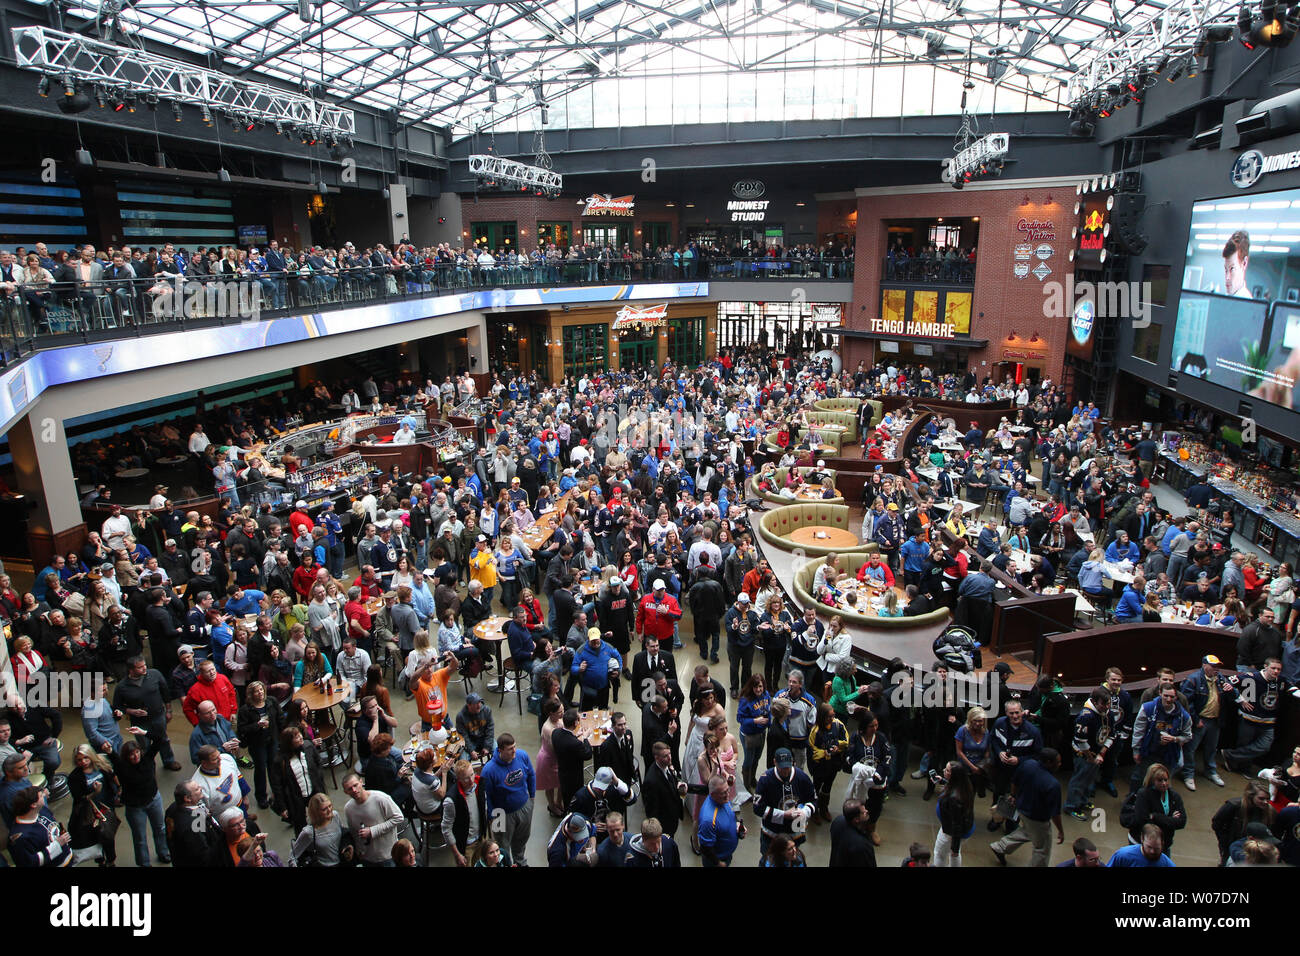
105 823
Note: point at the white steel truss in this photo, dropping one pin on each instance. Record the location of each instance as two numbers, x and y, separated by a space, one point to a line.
127 69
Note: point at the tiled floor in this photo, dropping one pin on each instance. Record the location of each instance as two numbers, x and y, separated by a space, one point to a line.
905 819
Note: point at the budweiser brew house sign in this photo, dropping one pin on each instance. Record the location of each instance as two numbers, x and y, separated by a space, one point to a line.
645 317
607 205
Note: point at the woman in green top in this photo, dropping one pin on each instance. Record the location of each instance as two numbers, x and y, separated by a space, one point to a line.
488 853
845 689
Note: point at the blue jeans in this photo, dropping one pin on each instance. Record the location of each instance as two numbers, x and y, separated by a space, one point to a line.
752 745
1207 734
1253 740
1083 782
140 819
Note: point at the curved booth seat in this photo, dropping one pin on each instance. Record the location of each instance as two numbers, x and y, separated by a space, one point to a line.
832 442
752 489
775 527
849 404
850 563
848 420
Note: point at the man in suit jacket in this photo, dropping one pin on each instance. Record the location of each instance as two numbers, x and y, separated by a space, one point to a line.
571 755
663 789
644 666
658 725
618 753
702 682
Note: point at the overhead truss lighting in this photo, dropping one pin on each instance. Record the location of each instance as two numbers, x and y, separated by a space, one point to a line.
87 60
507 172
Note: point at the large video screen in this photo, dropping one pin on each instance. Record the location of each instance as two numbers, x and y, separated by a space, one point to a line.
1238 322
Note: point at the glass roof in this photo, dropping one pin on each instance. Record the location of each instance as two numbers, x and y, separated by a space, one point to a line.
475 64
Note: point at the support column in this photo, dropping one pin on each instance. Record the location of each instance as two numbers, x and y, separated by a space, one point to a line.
43 472
476 345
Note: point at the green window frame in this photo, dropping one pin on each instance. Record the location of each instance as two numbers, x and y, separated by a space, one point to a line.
586 349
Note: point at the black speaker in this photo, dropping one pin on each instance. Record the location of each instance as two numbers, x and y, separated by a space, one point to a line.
1127 217
1130 181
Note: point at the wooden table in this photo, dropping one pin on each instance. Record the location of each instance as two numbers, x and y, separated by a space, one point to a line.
870 598
592 726
374 605
129 473
823 537
591 587
811 493
449 752
315 700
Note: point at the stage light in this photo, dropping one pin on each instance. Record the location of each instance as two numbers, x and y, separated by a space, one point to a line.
100 100
43 85
177 112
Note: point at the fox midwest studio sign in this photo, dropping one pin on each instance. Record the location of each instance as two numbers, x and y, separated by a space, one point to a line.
606 205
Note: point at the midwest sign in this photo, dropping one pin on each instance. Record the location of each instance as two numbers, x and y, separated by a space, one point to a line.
646 317
748 210
606 205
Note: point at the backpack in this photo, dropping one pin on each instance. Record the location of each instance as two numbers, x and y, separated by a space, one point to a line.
1128 812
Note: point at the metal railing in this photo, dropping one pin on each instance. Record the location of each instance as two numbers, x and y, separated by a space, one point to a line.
930 271
47 316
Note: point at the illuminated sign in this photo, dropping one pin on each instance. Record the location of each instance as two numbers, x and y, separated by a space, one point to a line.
645 317
607 205
748 210
928 330
1252 165
1037 230
748 189
1081 323
1093 231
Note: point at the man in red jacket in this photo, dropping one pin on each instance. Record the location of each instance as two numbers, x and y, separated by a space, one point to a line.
214 687
657 614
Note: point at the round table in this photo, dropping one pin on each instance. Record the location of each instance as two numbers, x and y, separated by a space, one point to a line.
128 473
590 588
493 629
867 596
592 726
811 493
823 537
828 449
374 605
173 461
315 700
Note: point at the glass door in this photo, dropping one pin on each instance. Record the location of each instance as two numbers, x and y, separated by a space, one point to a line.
637 353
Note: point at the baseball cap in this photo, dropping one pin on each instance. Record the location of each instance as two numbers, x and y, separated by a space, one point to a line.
514 480
891 507
593 633
428 572
660 585
1211 659
578 826
604 779
184 649
742 598
784 759
300 503
482 538
821 462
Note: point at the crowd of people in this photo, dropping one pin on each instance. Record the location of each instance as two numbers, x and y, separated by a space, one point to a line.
639 479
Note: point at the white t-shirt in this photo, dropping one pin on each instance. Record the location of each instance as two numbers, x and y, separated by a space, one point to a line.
115 530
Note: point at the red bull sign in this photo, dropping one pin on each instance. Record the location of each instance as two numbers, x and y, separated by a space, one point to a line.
649 316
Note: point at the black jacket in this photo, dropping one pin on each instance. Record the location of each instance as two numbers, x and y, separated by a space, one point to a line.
849 845
660 798
191 834
641 670
571 756
1148 808
707 600
284 788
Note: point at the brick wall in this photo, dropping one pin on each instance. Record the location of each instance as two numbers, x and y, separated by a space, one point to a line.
1002 303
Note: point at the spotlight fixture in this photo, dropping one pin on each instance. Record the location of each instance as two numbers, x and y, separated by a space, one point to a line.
177 112
69 85
250 124
1244 23
130 100
279 128
119 102
76 102
100 100
223 175
43 85
206 114
151 101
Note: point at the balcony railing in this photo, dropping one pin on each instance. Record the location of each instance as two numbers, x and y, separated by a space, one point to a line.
930 271
33 317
